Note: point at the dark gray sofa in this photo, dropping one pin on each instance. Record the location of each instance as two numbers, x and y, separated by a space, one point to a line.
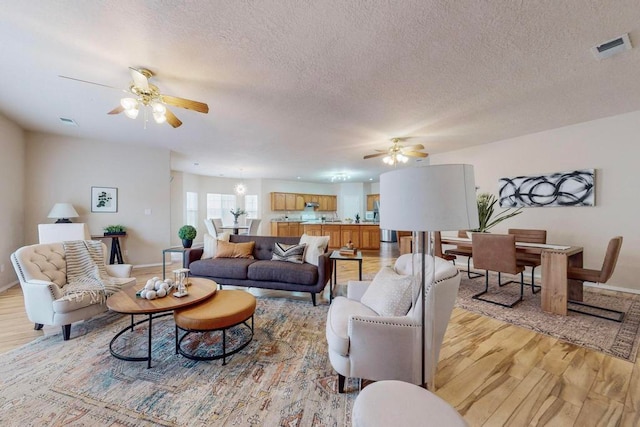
262 272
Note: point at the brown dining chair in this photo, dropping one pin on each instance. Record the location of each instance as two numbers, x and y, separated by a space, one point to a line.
598 276
529 260
466 252
437 248
496 252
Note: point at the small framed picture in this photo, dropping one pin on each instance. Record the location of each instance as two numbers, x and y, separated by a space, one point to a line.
104 199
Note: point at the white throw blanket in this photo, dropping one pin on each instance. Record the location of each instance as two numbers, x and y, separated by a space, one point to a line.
86 273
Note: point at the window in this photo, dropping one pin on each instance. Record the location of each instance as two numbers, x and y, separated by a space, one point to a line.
251 205
192 209
220 205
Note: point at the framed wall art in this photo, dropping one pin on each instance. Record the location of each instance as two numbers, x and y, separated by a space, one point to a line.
572 188
104 199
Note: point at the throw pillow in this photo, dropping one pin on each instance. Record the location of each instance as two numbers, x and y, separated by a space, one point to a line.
389 294
211 244
288 253
316 246
235 250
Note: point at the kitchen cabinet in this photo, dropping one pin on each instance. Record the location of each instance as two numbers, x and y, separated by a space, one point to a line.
333 231
371 199
296 202
286 229
312 229
278 202
350 233
370 237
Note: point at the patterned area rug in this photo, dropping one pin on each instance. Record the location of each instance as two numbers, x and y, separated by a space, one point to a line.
616 339
282 378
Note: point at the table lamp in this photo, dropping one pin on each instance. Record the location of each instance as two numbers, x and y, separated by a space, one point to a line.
62 211
428 199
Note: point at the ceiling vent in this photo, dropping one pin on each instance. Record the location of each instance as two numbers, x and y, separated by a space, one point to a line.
68 122
612 47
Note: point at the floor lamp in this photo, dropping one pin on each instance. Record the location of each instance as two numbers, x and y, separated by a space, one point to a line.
428 199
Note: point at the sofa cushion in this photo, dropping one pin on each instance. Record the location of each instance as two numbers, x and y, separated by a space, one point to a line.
281 271
316 246
211 244
389 294
288 253
235 250
337 326
224 268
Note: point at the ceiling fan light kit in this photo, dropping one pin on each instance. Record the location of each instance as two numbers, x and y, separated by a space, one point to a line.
398 153
148 95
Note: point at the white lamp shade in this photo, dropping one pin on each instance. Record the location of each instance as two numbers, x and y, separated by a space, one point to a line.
430 198
63 210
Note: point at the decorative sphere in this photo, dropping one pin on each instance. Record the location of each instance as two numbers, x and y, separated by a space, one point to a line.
143 293
150 286
161 293
151 295
168 281
154 278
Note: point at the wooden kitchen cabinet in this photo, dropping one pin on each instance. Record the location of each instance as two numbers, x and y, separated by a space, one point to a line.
350 233
312 229
299 202
371 199
333 231
278 202
286 229
370 236
296 202
290 201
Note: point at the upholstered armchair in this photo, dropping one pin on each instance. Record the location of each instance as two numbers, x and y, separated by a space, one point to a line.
41 270
365 344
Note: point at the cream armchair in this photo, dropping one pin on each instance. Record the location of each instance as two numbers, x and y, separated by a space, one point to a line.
363 344
41 270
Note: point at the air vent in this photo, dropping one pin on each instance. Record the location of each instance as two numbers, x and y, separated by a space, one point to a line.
68 122
612 47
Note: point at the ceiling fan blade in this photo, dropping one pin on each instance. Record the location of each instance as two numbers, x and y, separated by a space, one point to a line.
172 119
371 156
415 147
415 154
92 83
139 80
200 107
119 109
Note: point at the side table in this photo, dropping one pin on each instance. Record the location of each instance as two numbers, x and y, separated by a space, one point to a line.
116 251
335 257
173 249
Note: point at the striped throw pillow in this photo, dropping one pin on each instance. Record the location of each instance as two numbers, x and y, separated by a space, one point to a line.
288 253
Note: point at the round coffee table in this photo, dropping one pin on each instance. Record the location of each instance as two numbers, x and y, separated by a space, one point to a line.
226 309
126 302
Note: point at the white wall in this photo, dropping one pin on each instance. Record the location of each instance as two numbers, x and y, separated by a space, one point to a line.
12 191
611 146
63 169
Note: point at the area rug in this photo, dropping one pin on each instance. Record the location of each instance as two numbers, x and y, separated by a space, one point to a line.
616 339
282 378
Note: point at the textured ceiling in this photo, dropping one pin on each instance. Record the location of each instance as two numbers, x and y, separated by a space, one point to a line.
306 88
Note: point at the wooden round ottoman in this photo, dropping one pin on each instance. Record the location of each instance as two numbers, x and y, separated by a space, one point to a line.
222 311
388 403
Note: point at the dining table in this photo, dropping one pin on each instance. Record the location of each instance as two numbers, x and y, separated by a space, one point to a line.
556 288
236 228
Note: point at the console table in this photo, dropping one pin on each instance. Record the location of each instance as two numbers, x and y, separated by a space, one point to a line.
116 251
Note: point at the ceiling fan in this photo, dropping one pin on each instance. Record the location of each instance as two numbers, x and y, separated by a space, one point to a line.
398 153
146 94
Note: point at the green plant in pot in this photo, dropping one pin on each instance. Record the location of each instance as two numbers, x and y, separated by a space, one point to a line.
187 233
114 229
486 210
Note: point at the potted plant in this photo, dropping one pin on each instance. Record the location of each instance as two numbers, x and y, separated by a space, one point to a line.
486 209
111 230
187 233
236 214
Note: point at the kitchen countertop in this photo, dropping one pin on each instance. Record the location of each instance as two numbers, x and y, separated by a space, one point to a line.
338 223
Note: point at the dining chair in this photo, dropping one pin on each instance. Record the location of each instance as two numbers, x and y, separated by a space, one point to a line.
437 248
217 224
496 252
529 260
465 252
598 276
254 223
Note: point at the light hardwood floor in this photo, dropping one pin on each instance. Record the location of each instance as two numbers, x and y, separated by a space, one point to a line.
494 374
